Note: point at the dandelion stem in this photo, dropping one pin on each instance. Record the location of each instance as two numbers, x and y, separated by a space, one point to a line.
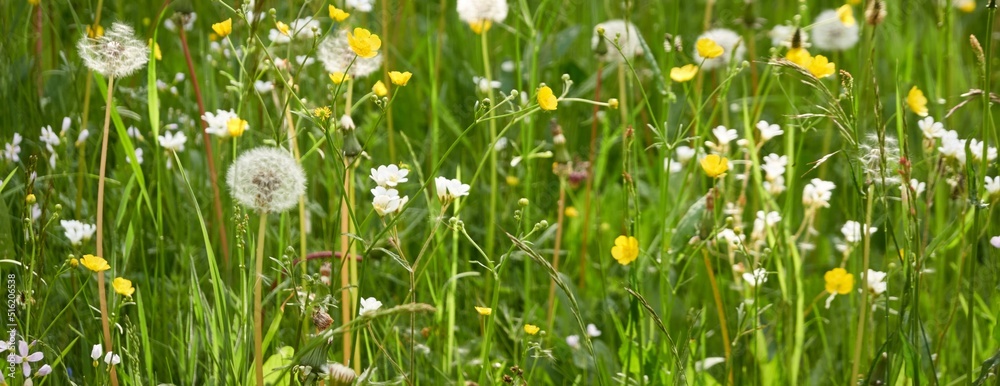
105 325
720 309
591 158
561 208
345 278
491 222
258 343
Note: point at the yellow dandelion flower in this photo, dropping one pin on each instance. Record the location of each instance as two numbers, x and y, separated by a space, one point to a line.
531 329
484 311
714 165
338 14
400 78
838 281
123 286
236 126
380 89
547 99
799 56
917 101
364 43
479 27
339 77
820 67
95 263
708 48
282 27
626 249
223 28
846 15
683 73
571 212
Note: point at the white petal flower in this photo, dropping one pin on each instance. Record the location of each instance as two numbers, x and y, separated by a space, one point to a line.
173 141
708 363
768 131
96 352
112 358
369 305
593 331
917 186
755 278
457 189
218 122
817 193
724 135
684 153
263 87
12 149
976 148
389 175
49 138
876 281
360 5
484 85
573 341
930 128
852 231
993 185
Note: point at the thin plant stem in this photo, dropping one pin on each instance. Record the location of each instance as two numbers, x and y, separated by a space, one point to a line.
491 222
105 325
589 192
258 342
721 310
859 341
561 208
207 139
345 279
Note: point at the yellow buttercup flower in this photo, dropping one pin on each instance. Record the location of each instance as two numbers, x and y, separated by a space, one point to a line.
400 78
626 249
513 181
480 26
571 212
820 67
917 101
547 99
799 56
236 126
95 31
967 6
323 113
846 15
683 73
156 50
282 27
95 263
34 2
484 311
339 77
708 48
338 14
380 89
714 165
838 281
613 103
123 286
74 262
223 28
364 43
531 329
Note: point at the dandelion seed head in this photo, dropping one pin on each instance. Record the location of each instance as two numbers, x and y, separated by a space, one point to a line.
336 55
266 179
627 36
478 11
117 53
831 34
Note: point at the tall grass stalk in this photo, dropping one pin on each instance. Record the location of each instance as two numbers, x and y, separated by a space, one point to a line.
105 324
258 310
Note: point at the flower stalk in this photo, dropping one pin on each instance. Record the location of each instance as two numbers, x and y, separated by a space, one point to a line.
105 323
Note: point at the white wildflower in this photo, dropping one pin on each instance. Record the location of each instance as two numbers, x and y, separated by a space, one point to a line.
852 231
768 131
173 141
77 232
389 175
756 278
369 305
930 128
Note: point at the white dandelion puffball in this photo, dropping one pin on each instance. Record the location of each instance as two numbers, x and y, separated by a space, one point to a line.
831 34
782 36
336 55
115 54
628 39
477 11
266 179
729 41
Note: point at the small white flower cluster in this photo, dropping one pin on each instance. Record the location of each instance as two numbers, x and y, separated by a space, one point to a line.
51 140
817 194
218 122
450 189
172 141
387 199
723 137
852 231
77 232
683 154
171 87
774 173
360 5
876 281
755 278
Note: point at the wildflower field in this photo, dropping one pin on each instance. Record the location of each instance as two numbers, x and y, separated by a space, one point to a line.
490 192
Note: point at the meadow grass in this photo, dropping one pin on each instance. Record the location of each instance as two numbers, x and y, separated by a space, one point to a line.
462 192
